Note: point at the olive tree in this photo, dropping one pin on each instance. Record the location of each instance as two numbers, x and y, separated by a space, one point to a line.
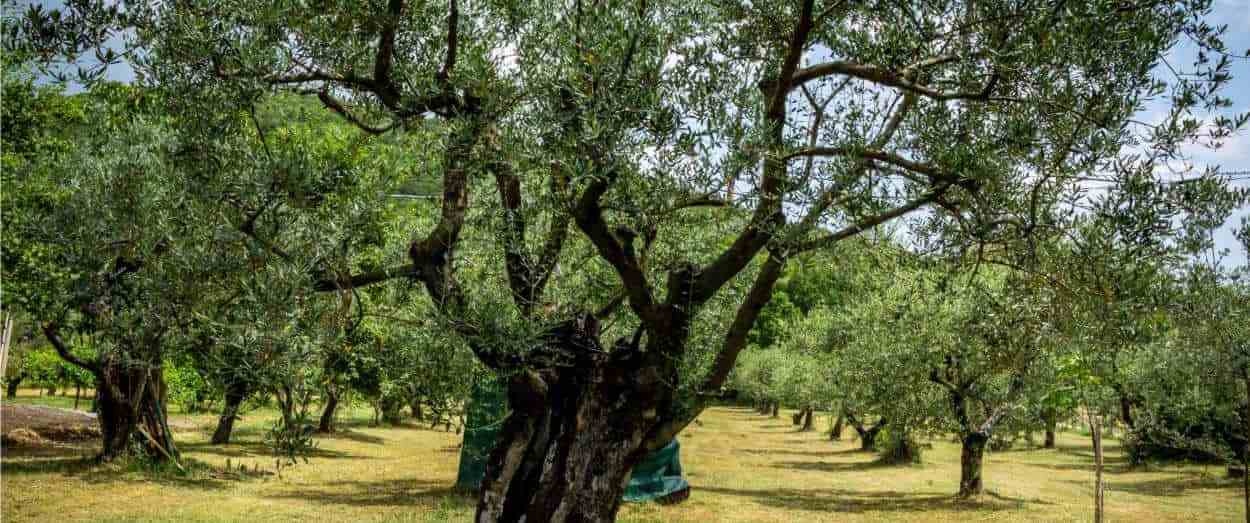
603 123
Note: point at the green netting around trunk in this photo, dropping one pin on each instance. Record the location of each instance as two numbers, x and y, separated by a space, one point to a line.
488 405
657 477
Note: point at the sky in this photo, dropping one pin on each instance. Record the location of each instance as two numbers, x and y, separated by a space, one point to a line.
1233 156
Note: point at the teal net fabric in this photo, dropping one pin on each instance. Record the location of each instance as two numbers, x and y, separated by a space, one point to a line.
657 477
488 405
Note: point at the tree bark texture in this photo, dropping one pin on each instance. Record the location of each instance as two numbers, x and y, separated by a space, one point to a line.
326 423
132 415
970 461
575 432
235 394
1095 434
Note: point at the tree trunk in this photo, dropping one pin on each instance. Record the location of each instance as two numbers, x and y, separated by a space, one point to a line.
797 417
415 407
776 409
868 438
391 408
807 420
1050 418
836 433
1126 412
575 432
130 401
970 459
77 395
10 391
235 394
326 424
1245 454
1095 433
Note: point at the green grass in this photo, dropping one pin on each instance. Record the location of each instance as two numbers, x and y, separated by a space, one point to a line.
34 397
743 467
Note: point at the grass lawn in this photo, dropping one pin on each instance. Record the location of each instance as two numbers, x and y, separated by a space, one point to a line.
743 467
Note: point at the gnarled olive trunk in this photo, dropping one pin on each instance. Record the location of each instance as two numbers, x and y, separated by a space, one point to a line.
326 423
131 406
576 431
776 409
867 436
235 394
807 420
835 434
970 458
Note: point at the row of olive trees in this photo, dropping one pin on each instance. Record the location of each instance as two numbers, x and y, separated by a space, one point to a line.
1101 324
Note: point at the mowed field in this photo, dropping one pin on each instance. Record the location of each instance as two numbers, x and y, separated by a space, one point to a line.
743 467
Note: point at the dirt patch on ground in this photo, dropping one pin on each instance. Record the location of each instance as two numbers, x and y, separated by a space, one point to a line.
30 425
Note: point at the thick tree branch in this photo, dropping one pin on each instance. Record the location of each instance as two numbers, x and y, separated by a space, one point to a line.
337 107
890 78
62 350
366 278
589 218
383 62
736 339
768 216
453 23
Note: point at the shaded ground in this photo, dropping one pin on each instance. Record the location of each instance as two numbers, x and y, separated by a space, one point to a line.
743 467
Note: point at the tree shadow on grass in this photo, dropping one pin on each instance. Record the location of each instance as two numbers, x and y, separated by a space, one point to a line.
1111 465
352 435
1170 486
787 452
46 464
822 466
256 449
194 474
1173 486
841 500
389 492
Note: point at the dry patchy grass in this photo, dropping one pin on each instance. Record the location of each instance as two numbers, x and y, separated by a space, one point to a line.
743 467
